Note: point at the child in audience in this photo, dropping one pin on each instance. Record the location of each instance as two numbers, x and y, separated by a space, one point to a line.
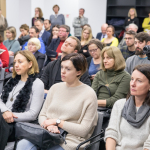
67 107
129 126
22 96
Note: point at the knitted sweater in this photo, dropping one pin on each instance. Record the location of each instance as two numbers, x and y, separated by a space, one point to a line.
126 136
78 110
119 87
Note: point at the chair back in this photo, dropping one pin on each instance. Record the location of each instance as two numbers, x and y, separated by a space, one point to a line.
2 75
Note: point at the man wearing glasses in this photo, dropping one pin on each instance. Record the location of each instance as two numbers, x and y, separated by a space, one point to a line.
130 49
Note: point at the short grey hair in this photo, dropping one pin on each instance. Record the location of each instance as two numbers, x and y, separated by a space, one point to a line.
132 24
35 41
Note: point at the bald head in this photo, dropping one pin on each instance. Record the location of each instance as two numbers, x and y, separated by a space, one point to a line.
103 28
133 27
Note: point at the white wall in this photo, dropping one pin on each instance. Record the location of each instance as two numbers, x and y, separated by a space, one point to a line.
21 11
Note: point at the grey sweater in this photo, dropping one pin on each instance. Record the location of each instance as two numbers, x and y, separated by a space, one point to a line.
34 105
12 45
133 61
59 20
126 136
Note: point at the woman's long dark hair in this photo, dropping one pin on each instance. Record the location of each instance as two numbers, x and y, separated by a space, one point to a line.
51 36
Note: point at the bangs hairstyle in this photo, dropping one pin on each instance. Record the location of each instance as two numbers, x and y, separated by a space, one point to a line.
56 6
115 53
13 31
35 41
25 27
40 12
145 70
78 61
90 34
135 13
142 36
30 57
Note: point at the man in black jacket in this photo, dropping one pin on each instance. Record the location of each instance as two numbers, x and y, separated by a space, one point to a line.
52 72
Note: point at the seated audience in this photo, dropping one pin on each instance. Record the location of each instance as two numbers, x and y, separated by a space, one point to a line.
110 40
4 57
146 23
22 96
95 47
43 33
24 36
112 76
132 17
33 46
130 39
57 19
54 49
11 44
38 15
72 119
54 33
79 22
129 127
47 25
52 72
132 27
86 36
102 34
34 33
139 58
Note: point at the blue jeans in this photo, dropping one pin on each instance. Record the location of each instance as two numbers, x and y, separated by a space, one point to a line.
26 145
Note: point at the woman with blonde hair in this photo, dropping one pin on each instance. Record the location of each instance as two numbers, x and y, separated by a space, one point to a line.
12 45
86 36
22 96
38 15
3 24
132 17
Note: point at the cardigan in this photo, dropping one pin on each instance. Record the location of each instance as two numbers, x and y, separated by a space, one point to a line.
78 110
34 105
126 136
146 24
115 42
119 87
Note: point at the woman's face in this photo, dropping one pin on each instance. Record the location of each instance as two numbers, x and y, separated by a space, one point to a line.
94 51
56 9
86 34
55 31
8 34
32 47
109 32
37 12
132 13
108 62
68 72
139 84
21 65
24 32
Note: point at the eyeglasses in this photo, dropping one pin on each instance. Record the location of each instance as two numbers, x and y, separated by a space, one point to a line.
62 31
128 38
93 50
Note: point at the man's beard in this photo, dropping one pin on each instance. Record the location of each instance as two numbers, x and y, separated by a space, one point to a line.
139 52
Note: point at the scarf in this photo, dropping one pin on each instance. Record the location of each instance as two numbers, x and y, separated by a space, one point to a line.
134 118
23 97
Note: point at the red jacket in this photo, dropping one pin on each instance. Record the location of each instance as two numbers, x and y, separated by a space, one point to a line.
4 56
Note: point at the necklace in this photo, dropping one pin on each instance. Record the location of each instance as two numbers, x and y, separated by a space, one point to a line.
13 94
107 84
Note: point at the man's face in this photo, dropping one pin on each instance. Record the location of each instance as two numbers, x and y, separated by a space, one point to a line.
47 25
103 29
32 33
68 46
139 47
62 33
39 25
129 40
132 28
81 12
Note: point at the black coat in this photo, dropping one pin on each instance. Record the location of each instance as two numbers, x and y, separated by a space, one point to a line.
85 47
50 72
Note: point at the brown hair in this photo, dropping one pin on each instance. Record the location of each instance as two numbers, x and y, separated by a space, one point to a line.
65 27
98 43
30 57
115 53
13 31
1 38
130 32
142 36
25 27
40 12
78 46
56 6
78 60
112 27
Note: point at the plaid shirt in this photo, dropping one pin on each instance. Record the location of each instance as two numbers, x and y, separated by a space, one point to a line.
1 64
126 53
